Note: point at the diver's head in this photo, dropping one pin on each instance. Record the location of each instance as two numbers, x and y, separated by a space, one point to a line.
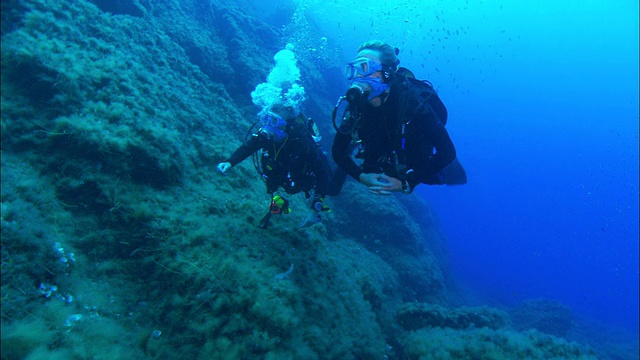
369 74
384 53
274 121
287 112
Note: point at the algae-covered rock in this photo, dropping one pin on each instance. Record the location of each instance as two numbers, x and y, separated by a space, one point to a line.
489 344
545 315
413 316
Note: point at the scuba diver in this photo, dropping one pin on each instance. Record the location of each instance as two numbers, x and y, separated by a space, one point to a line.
397 123
291 159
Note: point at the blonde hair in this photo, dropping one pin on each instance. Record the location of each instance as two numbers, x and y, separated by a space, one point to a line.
286 112
387 52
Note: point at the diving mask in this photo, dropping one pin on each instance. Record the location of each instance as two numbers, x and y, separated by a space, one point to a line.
273 126
363 67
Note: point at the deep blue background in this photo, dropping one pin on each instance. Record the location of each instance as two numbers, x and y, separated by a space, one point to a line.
549 137
543 102
550 140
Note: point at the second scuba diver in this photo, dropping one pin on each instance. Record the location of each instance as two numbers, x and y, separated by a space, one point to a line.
397 124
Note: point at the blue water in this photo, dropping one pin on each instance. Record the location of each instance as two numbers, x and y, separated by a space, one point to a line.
550 140
543 102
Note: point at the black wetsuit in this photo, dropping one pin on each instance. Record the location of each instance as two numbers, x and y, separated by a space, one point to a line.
417 156
297 164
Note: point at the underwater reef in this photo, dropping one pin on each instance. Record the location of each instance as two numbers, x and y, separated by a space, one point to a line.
120 240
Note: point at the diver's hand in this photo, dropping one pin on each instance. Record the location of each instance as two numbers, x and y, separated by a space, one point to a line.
381 184
224 166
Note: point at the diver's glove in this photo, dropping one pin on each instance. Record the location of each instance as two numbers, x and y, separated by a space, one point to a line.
224 166
318 204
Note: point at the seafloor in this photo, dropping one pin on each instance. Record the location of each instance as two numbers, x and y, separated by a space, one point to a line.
121 241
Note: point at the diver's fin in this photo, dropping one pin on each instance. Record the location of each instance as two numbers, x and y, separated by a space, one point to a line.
310 219
452 174
264 223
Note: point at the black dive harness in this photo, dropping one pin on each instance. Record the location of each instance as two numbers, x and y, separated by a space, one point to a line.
394 164
350 119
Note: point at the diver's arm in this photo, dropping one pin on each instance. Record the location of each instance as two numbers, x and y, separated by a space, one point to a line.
254 144
340 154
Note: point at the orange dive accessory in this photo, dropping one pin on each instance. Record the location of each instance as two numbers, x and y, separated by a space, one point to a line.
279 205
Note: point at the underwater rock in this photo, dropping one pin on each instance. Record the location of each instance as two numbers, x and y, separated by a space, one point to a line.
414 316
121 7
545 315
